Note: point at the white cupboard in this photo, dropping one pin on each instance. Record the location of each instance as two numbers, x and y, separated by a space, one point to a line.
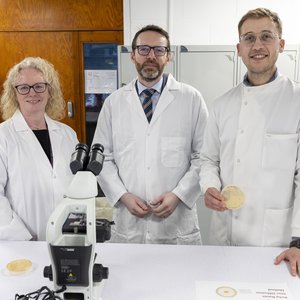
210 69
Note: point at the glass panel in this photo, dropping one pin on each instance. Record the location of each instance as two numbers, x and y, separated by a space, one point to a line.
100 75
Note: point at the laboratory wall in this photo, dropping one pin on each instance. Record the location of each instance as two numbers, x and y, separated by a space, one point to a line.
205 22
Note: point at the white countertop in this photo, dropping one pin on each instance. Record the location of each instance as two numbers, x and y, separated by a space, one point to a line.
153 272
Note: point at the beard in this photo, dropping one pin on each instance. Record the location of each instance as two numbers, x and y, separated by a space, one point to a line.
149 73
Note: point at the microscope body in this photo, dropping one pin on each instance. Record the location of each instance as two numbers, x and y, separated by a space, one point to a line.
71 239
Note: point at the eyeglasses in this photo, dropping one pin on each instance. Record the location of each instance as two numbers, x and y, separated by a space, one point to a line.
24 89
144 50
266 37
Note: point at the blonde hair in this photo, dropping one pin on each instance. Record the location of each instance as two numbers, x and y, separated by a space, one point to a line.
55 107
260 13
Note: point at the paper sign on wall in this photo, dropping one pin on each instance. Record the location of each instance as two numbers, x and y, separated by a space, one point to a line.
100 81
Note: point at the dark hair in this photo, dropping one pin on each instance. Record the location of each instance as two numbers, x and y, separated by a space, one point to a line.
151 28
259 13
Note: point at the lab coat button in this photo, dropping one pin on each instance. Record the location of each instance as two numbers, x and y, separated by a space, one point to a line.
238 160
245 103
242 131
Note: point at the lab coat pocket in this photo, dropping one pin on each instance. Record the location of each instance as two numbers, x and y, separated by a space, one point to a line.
279 151
172 151
277 227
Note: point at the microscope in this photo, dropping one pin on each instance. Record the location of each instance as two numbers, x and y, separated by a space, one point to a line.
73 230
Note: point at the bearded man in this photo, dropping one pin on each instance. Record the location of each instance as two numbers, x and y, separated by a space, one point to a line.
152 131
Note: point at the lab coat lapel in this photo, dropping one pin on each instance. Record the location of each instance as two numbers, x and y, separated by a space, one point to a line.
26 134
167 97
132 98
19 122
55 138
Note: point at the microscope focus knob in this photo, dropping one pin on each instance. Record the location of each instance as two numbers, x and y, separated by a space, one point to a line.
99 273
48 273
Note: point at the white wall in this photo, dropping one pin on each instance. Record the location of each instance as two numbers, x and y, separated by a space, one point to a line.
205 22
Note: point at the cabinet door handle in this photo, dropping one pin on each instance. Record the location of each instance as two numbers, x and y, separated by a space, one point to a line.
291 56
70 109
230 57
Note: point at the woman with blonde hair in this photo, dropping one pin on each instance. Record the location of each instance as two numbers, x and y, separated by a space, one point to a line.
35 149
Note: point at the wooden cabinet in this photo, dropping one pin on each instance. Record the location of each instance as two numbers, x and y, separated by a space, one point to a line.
56 30
56 47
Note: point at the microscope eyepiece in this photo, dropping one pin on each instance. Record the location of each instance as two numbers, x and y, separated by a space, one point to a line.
82 160
79 158
98 147
96 159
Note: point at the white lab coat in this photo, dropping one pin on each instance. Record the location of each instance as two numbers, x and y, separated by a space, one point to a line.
150 159
252 141
29 187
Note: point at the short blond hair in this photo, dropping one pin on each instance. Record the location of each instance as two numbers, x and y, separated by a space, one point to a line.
55 107
260 13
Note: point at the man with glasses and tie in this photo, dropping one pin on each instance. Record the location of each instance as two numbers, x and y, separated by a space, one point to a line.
252 142
151 130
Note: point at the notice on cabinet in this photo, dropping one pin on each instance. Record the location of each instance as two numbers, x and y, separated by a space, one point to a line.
242 291
100 81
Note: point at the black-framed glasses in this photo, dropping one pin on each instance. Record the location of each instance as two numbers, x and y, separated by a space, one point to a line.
24 89
144 50
266 37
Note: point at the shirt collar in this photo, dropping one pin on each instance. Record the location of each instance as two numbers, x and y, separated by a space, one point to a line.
157 86
248 83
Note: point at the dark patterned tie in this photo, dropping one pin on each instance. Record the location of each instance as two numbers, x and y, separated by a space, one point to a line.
147 103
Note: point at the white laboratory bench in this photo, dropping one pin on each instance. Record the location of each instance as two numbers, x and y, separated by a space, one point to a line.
153 272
